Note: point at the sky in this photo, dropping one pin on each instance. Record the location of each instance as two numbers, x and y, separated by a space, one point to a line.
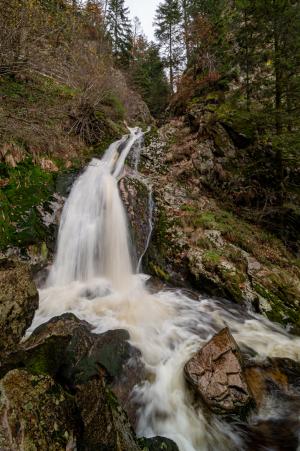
145 11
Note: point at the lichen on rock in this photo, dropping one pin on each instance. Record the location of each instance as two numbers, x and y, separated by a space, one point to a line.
18 302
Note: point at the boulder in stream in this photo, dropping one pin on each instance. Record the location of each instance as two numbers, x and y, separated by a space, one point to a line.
66 349
215 372
18 302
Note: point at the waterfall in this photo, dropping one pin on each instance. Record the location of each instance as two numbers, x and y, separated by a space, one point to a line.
93 235
92 277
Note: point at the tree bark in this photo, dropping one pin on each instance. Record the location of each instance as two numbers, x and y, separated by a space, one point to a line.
171 58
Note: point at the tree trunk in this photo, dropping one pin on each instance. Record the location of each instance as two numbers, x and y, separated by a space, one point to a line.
277 70
278 100
171 58
186 29
248 93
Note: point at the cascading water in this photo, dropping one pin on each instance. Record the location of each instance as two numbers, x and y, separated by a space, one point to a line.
92 277
93 237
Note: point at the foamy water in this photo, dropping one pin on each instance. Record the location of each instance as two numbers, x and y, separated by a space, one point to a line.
92 277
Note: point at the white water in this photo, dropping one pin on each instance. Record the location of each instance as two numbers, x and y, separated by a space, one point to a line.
92 277
93 237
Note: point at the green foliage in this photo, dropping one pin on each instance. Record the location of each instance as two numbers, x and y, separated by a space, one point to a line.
149 78
211 258
119 29
168 33
113 101
263 245
28 187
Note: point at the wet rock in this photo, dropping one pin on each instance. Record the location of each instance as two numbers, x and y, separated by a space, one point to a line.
135 195
66 349
157 444
273 377
216 375
18 302
273 434
35 414
105 425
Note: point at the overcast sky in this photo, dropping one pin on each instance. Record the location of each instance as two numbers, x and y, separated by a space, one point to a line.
145 11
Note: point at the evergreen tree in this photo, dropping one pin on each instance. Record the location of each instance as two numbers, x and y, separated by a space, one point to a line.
149 77
118 26
168 32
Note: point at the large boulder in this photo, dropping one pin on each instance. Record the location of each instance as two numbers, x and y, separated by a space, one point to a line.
36 414
216 374
66 349
18 302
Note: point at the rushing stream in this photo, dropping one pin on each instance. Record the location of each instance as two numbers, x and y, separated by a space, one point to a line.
93 277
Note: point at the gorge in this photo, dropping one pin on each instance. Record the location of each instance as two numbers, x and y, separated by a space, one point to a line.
93 277
149 226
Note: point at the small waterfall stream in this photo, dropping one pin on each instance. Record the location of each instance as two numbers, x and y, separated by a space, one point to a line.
92 277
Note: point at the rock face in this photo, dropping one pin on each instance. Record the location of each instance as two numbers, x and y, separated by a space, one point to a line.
135 196
18 302
35 413
135 108
197 239
216 374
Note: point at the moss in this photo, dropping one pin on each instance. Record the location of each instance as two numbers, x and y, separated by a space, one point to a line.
151 135
235 256
47 358
261 244
206 219
211 259
158 271
278 311
28 187
189 208
233 283
205 243
116 104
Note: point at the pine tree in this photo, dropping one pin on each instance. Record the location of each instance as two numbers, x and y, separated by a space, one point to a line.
149 77
118 26
168 32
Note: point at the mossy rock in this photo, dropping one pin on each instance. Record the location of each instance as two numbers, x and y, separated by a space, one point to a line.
18 302
47 414
157 444
277 310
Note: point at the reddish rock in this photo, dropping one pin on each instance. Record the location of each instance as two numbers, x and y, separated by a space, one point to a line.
216 374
